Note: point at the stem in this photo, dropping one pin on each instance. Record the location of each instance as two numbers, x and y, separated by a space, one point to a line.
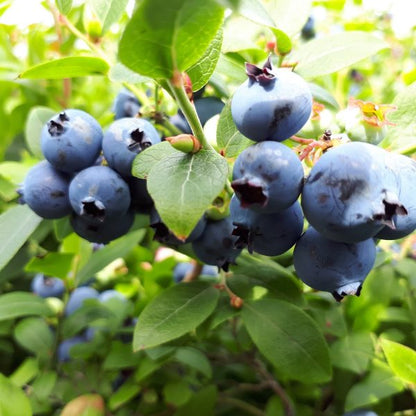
247 407
141 95
188 109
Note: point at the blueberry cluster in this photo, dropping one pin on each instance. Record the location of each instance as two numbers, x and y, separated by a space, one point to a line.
354 195
86 173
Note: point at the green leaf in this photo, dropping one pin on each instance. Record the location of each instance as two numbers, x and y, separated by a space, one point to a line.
175 312
64 6
184 185
26 372
108 11
120 73
202 403
229 140
148 158
16 225
35 121
353 352
44 384
177 393
12 399
17 304
289 16
70 67
323 96
101 258
251 9
283 42
329 54
289 339
163 38
401 359
53 264
201 72
195 359
377 385
121 356
128 390
34 335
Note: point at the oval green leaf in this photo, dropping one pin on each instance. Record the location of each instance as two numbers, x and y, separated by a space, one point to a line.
289 339
16 304
108 11
16 225
12 399
184 185
164 37
175 312
329 54
401 359
70 67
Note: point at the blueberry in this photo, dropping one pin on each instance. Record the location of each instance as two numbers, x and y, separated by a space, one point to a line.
124 139
164 236
105 231
360 412
140 197
180 122
45 191
110 294
183 268
404 170
71 140
273 104
327 265
64 348
46 287
308 29
125 104
99 193
216 245
351 193
77 298
267 176
270 234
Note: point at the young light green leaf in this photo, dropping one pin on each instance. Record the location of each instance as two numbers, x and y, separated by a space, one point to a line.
16 225
148 158
69 67
184 185
229 140
120 73
64 6
34 335
108 11
401 359
283 42
379 384
289 339
251 9
289 16
12 399
112 251
163 38
353 352
17 304
201 72
35 121
53 264
329 54
175 312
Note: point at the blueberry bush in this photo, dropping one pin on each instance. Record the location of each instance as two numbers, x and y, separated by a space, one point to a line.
207 208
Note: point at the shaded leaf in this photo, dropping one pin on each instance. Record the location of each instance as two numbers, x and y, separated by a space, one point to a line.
289 339
195 359
162 38
17 304
175 312
69 67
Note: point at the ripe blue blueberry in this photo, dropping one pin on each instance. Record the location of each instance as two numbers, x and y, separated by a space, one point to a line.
45 286
102 232
308 29
267 177
360 412
351 193
71 140
111 294
64 348
180 122
327 265
77 298
183 268
45 191
273 104
270 234
125 104
124 139
140 197
99 193
216 245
